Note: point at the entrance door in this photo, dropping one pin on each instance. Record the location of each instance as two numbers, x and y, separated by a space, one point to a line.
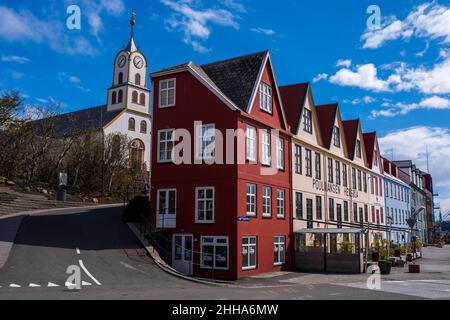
182 253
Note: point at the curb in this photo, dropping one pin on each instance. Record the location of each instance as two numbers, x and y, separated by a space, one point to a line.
16 222
168 269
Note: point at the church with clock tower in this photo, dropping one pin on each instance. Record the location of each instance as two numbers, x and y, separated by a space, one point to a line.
127 109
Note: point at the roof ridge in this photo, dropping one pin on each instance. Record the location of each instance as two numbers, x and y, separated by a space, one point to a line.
295 84
235 58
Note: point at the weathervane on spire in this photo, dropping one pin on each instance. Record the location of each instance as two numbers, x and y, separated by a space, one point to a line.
132 21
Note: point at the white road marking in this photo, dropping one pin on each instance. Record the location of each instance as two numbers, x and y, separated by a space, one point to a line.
51 284
13 285
34 285
87 272
85 283
78 251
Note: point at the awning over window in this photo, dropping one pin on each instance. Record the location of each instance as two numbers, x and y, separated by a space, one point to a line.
331 230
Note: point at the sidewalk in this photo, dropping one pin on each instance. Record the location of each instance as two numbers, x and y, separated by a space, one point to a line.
12 202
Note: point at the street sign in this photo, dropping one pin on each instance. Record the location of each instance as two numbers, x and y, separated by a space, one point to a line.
244 219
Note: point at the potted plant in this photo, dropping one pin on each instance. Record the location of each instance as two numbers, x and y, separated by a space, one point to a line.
385 266
346 247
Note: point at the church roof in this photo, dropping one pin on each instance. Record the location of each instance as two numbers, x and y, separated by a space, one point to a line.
79 121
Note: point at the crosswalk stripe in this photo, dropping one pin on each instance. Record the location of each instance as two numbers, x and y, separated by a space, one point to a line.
85 283
34 285
51 284
13 285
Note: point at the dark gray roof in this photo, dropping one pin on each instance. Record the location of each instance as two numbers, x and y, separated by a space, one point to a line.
236 77
90 119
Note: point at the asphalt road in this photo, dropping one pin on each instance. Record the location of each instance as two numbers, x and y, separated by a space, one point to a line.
113 266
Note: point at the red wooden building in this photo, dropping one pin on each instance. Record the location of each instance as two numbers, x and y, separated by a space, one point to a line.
225 220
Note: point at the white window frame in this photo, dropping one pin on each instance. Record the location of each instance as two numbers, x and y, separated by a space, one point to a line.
166 209
215 244
205 133
166 141
281 203
307 121
266 148
265 197
336 137
166 90
205 189
280 153
251 143
252 198
279 242
247 246
265 101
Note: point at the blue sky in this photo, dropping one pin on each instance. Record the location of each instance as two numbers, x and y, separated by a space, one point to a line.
396 79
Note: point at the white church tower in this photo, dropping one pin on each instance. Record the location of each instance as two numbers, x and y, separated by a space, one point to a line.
129 88
129 101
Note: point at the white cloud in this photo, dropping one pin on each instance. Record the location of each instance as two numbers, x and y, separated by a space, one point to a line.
364 77
344 63
234 5
434 80
17 59
411 144
113 7
363 100
400 108
16 75
429 20
23 26
74 80
195 23
267 32
320 76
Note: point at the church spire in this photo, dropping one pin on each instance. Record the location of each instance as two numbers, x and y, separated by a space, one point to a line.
131 47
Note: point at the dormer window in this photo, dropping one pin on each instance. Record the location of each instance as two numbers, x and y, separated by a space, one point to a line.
167 93
358 149
307 124
265 102
336 137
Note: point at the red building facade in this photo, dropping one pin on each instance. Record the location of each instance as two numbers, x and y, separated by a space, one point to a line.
232 219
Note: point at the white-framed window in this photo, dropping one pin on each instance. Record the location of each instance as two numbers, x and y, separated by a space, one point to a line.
206 142
166 201
308 163
336 137
267 201
279 246
266 148
214 252
307 123
298 159
358 149
249 253
251 143
280 153
167 93
265 102
251 199
166 140
281 203
204 205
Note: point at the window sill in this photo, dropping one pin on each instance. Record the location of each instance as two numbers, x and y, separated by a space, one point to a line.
281 217
267 111
204 222
266 216
248 268
252 215
278 264
165 107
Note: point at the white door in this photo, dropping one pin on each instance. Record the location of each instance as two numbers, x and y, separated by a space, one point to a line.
182 253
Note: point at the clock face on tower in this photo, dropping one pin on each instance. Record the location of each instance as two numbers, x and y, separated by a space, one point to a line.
121 61
138 62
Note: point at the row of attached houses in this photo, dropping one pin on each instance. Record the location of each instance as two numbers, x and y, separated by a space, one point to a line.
244 171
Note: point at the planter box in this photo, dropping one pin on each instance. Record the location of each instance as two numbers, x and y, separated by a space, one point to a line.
385 266
414 268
